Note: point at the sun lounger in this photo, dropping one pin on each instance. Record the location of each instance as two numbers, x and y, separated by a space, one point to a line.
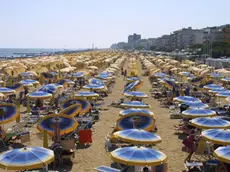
194 165
106 169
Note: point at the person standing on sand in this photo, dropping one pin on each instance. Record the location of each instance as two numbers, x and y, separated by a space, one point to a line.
125 73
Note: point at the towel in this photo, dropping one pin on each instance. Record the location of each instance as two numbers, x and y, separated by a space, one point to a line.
85 136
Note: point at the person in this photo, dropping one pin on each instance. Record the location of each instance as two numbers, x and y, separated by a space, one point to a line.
190 143
146 169
125 73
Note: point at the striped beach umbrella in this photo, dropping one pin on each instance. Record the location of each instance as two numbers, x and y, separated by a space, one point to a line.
39 95
195 113
216 75
86 94
72 110
139 121
134 104
138 156
196 105
78 74
85 104
132 86
160 75
26 158
6 91
186 99
137 136
66 124
94 87
223 94
225 79
213 86
223 154
27 82
17 87
210 122
136 94
135 111
9 112
217 136
131 79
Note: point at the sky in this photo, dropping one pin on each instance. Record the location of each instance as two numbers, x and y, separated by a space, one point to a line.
81 23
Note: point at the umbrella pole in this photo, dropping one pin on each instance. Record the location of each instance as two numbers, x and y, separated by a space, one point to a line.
18 118
28 104
45 139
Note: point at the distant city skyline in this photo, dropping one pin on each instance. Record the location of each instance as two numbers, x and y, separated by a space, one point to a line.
74 24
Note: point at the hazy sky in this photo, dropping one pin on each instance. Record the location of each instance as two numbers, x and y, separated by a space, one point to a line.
80 23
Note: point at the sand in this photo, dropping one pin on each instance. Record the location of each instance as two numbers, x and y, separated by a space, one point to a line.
95 155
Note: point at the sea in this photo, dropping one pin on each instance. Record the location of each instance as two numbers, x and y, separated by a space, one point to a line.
28 52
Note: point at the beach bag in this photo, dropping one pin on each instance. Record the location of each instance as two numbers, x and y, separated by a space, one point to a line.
187 143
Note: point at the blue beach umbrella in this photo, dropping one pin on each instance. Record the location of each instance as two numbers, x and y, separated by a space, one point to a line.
213 86
47 75
53 73
85 105
39 95
136 94
210 122
160 75
6 91
135 111
131 79
50 88
69 81
226 79
196 105
132 85
134 104
26 158
72 110
216 75
86 94
218 91
138 156
139 121
78 74
195 113
223 154
16 87
66 124
29 82
9 112
223 94
96 81
217 136
137 136
94 87
186 99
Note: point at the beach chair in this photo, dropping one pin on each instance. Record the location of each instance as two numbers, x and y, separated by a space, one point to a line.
85 137
193 166
106 169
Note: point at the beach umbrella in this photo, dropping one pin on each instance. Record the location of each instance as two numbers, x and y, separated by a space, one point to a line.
135 111
39 95
79 74
29 82
218 91
96 81
8 112
86 94
103 76
217 136
223 94
47 75
50 88
132 85
134 104
26 158
225 79
137 136
186 99
195 113
61 83
138 121
138 156
54 73
216 75
185 74
66 124
210 122
16 87
93 67
94 87
196 105
160 75
223 154
136 94
72 110
70 82
6 91
85 104
196 80
213 86
131 79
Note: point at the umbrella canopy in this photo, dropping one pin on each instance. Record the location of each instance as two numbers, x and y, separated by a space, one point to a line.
217 136
9 112
195 113
136 94
213 86
145 122
196 105
72 110
86 94
210 122
50 88
160 75
223 94
226 79
94 87
218 91
39 95
135 111
137 136
47 75
138 156
134 104
131 79
96 81
223 154
28 81
6 91
26 158
216 75
85 105
186 99
132 85
66 124
16 87
78 74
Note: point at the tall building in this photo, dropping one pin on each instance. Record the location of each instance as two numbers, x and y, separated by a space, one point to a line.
133 39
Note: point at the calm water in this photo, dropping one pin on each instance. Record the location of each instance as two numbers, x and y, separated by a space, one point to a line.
16 52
